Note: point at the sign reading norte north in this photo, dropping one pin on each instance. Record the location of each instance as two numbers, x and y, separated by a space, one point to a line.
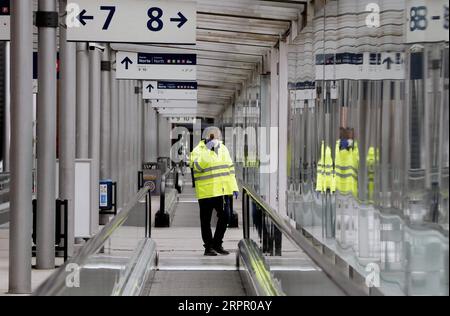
146 66
131 21
170 90
5 20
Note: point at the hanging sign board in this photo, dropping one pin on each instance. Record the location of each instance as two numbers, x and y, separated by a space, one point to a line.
173 104
361 66
5 20
170 90
426 21
131 21
146 66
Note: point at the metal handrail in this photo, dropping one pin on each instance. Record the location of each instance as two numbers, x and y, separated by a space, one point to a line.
283 224
263 281
163 186
162 204
55 284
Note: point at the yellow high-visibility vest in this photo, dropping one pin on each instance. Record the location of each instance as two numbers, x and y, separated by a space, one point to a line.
325 171
346 166
214 173
371 172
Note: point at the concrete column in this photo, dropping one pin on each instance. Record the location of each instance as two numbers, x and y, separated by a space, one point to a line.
163 137
82 100
7 110
134 137
46 142
94 129
21 147
152 129
128 109
145 113
105 134
265 146
114 125
142 118
283 134
67 126
121 141
274 86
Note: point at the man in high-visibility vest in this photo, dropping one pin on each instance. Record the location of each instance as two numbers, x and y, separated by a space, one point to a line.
215 180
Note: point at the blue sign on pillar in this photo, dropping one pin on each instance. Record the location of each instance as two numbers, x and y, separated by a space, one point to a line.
106 195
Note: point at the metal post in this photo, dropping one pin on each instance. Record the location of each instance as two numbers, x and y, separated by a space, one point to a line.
46 144
145 130
132 104
105 157
82 101
21 147
94 129
274 86
114 125
127 140
132 137
142 130
152 129
67 128
121 141
7 117
139 124
283 133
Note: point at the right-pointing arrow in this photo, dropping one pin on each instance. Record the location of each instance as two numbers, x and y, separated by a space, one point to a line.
127 61
181 19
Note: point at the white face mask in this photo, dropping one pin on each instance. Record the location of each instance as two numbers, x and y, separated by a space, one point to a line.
350 142
216 143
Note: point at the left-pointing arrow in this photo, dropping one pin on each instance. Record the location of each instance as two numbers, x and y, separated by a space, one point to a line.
127 61
82 17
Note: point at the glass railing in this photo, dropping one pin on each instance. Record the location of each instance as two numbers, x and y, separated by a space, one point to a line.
409 259
4 187
111 263
301 266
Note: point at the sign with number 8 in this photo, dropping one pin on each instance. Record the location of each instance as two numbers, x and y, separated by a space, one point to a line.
418 19
427 21
155 15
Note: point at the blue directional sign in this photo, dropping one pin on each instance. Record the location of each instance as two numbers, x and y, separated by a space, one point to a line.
131 21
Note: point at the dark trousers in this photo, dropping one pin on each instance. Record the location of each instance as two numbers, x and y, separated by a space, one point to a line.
206 210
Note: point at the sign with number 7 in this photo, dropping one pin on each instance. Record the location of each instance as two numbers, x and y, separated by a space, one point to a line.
131 21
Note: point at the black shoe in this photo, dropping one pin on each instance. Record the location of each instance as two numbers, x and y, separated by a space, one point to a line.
221 251
210 252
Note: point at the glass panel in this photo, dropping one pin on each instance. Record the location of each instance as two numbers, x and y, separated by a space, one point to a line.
369 150
104 263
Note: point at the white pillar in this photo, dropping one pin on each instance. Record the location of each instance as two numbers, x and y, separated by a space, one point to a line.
274 86
283 119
